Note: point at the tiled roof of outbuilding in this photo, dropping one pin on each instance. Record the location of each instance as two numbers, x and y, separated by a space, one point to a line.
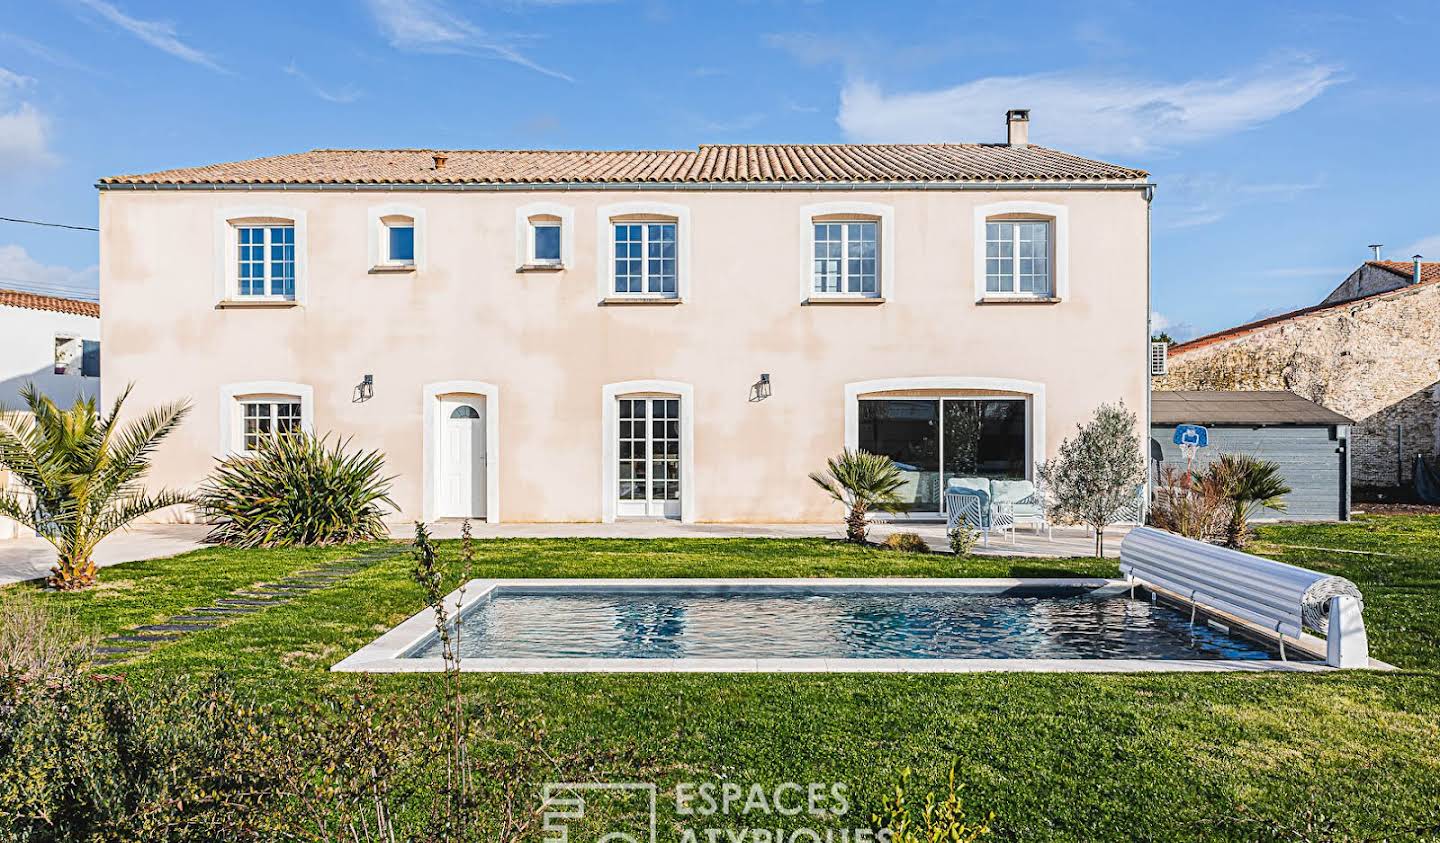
709 164
36 301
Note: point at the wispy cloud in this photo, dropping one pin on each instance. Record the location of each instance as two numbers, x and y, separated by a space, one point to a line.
343 95
1187 201
42 52
1178 331
19 269
1098 114
1426 247
161 35
24 130
429 26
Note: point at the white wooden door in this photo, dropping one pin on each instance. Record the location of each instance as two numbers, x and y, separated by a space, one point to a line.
462 457
649 452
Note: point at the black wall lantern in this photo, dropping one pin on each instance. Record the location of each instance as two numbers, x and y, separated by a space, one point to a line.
760 390
365 390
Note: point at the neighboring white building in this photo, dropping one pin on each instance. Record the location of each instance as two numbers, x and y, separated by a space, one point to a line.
51 342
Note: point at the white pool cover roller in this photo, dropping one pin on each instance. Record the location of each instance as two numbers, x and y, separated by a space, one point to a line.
1278 597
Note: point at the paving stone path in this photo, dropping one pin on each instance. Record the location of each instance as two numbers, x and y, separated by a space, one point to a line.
247 600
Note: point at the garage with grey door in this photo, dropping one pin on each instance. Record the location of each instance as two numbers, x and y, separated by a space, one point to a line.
1308 442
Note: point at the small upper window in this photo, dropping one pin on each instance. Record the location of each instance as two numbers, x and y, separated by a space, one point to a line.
1017 258
846 258
268 417
397 241
645 259
402 243
266 256
545 242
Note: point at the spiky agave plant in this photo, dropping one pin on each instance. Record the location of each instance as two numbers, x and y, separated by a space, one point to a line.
1249 483
82 471
297 489
862 481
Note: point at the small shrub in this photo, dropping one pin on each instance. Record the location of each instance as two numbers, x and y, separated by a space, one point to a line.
907 543
962 540
1250 483
1192 504
297 490
38 645
861 481
934 821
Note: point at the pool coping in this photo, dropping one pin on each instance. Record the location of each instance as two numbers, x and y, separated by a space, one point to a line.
387 653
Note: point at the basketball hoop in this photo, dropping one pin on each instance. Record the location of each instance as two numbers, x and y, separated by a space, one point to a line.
1190 438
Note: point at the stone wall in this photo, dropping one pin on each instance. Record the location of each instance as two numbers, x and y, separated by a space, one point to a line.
1376 360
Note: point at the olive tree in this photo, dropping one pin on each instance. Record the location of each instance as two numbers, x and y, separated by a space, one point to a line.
1094 476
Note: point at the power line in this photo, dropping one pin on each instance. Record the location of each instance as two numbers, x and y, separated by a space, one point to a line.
23 286
49 224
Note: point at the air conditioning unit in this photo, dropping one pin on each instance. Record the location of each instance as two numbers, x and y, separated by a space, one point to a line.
1159 359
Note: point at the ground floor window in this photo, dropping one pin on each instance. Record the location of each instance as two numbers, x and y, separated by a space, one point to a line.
935 439
268 417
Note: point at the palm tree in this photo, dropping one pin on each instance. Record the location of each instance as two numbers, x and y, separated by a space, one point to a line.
82 471
862 481
1249 483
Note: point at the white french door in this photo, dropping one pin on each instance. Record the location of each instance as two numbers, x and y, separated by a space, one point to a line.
648 449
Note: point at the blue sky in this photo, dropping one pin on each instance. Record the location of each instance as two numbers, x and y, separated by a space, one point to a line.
1284 137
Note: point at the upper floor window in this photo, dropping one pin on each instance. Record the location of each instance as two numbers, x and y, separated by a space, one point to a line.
646 258
266 261
1018 258
262 417
846 258
400 241
545 237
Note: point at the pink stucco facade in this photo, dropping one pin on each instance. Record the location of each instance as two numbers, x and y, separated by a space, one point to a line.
546 353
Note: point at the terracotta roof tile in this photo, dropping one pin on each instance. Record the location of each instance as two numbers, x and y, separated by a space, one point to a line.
710 163
36 301
1429 274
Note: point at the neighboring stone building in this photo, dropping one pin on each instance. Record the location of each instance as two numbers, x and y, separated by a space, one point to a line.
1370 350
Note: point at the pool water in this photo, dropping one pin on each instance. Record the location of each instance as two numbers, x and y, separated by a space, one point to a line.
546 623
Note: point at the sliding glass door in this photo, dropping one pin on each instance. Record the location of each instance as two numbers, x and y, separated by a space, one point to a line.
933 440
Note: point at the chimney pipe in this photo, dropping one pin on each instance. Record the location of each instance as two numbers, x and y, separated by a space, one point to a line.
1017 127
1416 280
1375 251
440 159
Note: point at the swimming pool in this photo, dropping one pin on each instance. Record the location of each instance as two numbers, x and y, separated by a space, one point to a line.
821 625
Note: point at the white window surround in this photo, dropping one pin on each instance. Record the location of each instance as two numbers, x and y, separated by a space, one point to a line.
378 241
1033 390
232 395
226 249
885 214
605 250
610 410
1059 215
524 254
431 421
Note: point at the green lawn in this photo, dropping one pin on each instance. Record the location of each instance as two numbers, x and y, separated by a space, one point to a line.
1055 756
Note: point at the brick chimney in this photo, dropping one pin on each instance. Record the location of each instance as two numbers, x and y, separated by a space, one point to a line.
1017 127
440 159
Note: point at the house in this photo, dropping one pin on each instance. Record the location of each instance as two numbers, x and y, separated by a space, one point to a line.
588 336
51 342
1309 443
1370 351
